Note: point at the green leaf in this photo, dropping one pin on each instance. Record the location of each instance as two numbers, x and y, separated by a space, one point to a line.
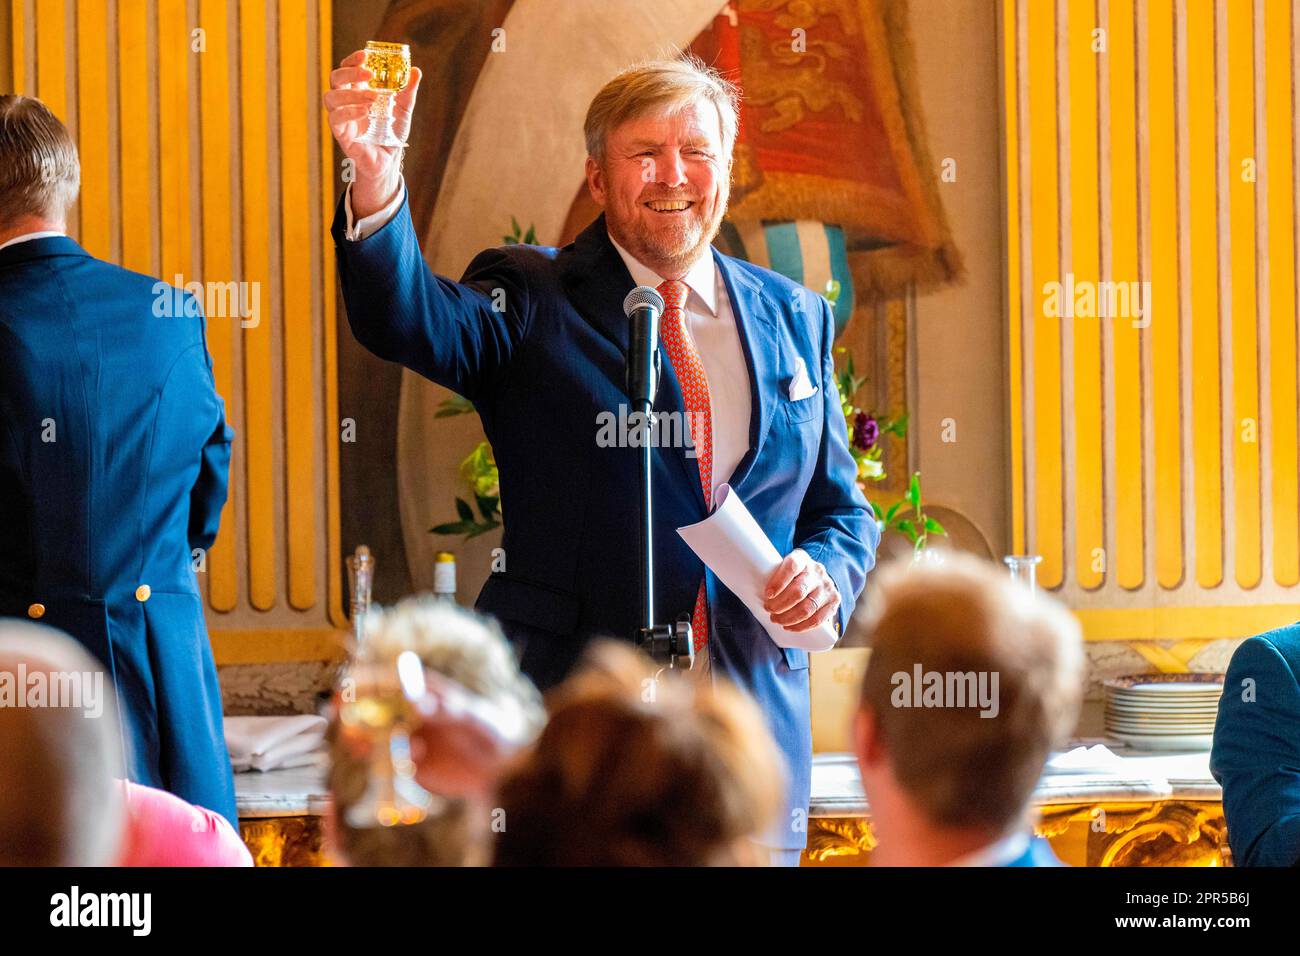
933 527
893 510
464 510
904 526
451 527
914 490
456 405
487 506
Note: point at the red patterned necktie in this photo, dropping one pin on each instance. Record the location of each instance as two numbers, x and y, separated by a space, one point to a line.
695 396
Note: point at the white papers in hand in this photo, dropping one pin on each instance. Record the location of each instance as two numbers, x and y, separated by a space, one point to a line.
735 548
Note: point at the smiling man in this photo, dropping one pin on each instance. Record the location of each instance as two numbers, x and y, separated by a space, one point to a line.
536 337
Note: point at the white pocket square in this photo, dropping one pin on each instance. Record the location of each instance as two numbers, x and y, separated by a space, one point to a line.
801 385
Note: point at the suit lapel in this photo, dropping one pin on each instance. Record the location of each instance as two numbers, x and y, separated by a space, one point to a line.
755 316
597 282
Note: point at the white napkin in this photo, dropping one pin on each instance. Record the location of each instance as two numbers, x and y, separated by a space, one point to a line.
274 743
737 550
1085 760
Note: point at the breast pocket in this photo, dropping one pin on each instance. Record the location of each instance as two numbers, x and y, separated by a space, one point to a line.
803 410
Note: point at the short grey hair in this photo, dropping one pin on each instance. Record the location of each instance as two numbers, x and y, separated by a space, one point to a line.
40 173
668 85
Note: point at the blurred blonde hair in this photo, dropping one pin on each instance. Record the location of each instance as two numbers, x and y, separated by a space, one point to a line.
637 771
471 650
60 804
661 86
965 615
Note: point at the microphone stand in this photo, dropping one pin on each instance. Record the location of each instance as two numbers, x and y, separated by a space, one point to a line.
669 645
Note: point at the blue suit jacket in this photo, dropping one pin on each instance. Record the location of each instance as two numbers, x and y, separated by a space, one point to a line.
134 478
1256 753
540 368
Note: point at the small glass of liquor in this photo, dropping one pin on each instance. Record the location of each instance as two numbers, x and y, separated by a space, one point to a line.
390 64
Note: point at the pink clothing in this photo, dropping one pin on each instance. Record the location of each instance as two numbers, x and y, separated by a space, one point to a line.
164 830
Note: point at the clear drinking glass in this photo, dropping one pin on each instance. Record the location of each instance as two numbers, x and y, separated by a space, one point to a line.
1024 569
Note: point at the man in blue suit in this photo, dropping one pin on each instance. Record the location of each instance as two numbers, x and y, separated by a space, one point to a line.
114 452
536 337
1256 752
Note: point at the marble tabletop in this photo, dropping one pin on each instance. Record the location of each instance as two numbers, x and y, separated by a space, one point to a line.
836 785
1136 775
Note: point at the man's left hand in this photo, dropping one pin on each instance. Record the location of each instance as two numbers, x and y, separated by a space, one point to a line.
800 595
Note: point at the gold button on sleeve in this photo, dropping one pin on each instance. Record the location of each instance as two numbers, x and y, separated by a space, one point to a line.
142 593
36 611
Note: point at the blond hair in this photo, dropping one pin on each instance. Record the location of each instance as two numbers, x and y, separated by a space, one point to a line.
471 650
661 86
60 804
634 770
960 617
40 173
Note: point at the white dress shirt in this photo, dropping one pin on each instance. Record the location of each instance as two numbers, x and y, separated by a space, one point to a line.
711 324
28 236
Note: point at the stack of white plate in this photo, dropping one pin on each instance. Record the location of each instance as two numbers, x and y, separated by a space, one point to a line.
1163 711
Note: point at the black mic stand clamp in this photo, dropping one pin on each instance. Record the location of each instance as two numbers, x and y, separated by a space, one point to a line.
669 645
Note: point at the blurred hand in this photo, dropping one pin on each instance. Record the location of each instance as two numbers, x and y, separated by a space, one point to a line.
378 168
800 594
457 752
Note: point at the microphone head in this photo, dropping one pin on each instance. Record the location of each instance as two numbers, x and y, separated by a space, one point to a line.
640 296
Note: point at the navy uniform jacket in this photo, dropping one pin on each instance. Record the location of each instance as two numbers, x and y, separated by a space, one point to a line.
541 361
114 453
1256 753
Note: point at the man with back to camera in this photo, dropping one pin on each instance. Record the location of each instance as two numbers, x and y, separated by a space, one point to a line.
114 453
537 339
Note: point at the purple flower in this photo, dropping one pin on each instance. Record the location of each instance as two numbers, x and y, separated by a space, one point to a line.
866 431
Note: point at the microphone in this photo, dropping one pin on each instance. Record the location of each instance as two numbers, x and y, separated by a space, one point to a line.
643 307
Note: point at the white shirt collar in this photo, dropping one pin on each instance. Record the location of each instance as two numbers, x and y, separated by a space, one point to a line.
999 853
702 278
28 236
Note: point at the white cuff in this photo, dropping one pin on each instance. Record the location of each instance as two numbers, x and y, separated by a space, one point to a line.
375 221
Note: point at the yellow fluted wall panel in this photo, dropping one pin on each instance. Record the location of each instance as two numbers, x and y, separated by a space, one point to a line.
1126 372
295 254
206 160
1189 392
1044 216
1085 265
1280 190
1242 174
92 127
259 409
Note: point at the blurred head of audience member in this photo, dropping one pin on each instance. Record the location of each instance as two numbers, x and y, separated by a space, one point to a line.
637 771
970 683
40 173
64 801
471 651
60 804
